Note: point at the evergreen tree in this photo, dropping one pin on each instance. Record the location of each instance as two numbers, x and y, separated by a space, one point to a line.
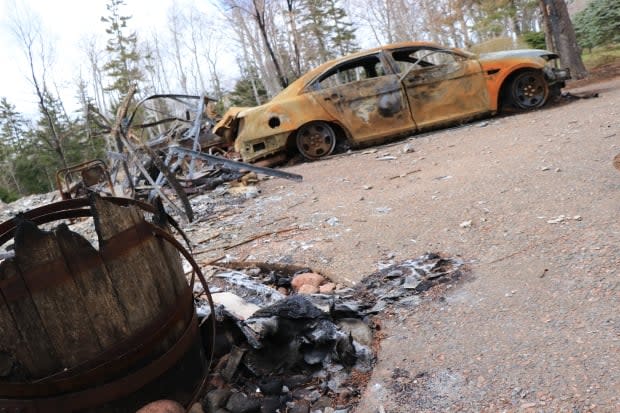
123 66
326 32
598 24
12 130
249 90
342 36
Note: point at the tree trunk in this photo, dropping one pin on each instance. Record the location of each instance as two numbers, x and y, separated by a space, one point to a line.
260 20
563 35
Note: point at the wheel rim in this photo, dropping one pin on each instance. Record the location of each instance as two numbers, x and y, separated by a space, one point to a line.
529 90
316 140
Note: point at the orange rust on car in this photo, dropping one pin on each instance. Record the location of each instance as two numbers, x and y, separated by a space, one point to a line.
387 92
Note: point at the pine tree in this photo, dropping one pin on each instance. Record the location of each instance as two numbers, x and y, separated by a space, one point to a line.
123 66
327 33
249 90
12 130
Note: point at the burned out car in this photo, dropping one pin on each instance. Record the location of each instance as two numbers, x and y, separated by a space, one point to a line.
391 91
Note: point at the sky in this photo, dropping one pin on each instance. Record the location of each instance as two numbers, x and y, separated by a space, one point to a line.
67 23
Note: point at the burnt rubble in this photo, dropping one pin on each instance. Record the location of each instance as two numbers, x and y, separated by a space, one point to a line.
279 350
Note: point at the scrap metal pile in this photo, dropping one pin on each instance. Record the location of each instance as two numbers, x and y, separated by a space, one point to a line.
164 147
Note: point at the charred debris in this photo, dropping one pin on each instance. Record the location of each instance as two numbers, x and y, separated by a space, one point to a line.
163 148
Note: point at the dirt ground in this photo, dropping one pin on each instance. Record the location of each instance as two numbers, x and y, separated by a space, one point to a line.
531 202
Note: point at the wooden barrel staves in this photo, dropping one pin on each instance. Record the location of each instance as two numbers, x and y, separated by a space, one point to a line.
95 330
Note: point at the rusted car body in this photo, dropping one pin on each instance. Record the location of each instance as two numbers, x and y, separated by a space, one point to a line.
387 92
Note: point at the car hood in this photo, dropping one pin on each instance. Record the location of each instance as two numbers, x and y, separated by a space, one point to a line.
523 53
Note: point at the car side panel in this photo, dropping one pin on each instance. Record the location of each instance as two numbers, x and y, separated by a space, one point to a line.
369 109
446 93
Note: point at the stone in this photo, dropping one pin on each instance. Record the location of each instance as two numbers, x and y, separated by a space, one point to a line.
270 386
240 403
327 288
308 289
196 408
309 278
270 404
217 398
235 305
408 148
282 290
465 224
298 407
358 330
162 406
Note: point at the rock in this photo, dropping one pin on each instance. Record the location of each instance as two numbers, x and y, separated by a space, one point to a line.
270 405
358 330
270 386
298 407
387 158
240 403
196 408
323 404
327 288
235 305
557 220
282 290
309 278
333 221
408 148
217 398
162 406
308 289
465 224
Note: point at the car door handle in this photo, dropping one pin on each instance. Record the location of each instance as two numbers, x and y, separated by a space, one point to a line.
333 96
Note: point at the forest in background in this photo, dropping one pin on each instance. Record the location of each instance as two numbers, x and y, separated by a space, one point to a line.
273 41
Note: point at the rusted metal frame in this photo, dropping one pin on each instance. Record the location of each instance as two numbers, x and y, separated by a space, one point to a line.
77 168
107 364
196 272
175 97
195 132
113 390
77 208
163 168
128 384
147 176
235 165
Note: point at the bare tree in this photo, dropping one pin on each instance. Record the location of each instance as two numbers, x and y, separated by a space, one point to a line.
26 28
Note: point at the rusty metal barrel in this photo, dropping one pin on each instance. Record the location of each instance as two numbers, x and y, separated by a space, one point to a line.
85 329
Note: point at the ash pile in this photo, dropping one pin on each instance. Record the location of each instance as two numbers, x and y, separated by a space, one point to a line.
289 340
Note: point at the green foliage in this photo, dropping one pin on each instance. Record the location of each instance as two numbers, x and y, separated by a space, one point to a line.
325 31
8 195
246 89
535 40
123 66
598 24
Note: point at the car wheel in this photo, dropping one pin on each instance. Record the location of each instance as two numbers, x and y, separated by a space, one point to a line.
529 90
315 140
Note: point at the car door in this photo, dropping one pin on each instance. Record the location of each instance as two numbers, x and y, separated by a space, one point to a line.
441 85
365 98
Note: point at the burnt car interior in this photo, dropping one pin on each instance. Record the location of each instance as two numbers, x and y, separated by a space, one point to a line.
364 68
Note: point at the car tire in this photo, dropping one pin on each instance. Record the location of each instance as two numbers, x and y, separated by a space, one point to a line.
315 140
528 90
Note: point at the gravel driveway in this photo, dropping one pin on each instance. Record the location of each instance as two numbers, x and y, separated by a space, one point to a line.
531 202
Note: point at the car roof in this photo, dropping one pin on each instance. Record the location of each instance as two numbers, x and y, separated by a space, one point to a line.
297 86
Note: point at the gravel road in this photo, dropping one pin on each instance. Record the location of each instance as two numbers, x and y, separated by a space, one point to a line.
531 202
